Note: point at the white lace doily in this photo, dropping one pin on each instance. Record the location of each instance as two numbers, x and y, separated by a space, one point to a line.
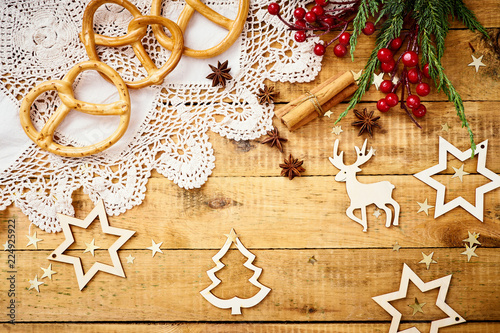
168 132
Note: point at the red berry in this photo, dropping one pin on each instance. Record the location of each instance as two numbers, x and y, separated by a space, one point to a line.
299 13
369 28
426 71
413 101
420 111
413 75
318 10
300 36
273 8
388 67
410 59
329 21
344 38
319 49
322 3
396 43
300 23
384 55
423 89
340 50
382 105
392 99
310 17
386 86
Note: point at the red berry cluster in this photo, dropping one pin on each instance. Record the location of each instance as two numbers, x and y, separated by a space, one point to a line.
326 20
411 74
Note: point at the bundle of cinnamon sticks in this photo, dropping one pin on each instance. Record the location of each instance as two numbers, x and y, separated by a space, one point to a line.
320 99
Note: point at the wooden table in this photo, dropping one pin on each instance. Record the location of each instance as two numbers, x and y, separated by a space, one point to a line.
287 223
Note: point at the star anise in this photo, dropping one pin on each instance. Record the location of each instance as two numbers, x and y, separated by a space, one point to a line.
267 95
220 74
292 167
366 121
275 139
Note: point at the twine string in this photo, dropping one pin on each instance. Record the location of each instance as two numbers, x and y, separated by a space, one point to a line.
314 101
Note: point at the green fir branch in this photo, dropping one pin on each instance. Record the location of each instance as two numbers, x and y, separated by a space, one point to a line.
467 17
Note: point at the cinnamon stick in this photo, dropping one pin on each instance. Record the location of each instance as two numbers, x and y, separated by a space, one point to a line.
302 110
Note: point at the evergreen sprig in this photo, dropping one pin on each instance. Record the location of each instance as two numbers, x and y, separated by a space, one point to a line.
432 19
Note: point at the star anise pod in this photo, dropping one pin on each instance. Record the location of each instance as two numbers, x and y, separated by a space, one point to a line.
220 74
292 167
366 121
267 95
275 139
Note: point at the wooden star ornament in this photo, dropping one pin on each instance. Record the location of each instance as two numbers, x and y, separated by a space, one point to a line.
408 275
84 277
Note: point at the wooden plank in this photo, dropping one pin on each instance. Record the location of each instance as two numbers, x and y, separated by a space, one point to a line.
402 148
230 328
338 287
480 86
273 212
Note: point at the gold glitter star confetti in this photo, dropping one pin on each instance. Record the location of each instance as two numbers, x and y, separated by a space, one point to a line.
469 252
417 307
427 260
459 173
445 127
396 247
472 239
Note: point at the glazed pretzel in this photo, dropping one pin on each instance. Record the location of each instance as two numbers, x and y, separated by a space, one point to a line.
137 29
45 138
234 27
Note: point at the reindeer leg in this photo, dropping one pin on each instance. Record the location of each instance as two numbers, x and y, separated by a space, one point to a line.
350 213
363 217
396 211
388 215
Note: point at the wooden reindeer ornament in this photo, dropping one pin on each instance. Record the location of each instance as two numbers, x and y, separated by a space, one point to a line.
362 195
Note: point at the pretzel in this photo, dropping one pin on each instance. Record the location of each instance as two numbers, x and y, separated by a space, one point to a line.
234 27
136 30
45 138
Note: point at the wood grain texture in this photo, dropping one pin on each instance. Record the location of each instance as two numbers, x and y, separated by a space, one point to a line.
286 223
229 328
338 287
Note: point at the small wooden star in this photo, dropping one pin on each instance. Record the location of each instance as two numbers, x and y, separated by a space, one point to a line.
312 260
424 207
34 284
472 239
357 75
130 259
47 272
376 213
427 260
292 167
33 240
6 246
460 173
477 62
232 235
445 127
274 139
337 130
417 307
155 248
469 252
91 247
396 247
328 114
366 121
220 74
267 95
377 79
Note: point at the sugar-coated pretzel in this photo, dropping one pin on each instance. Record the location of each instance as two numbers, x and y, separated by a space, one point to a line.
137 29
45 138
234 27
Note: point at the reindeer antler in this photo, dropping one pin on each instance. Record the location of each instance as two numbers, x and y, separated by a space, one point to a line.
361 157
337 160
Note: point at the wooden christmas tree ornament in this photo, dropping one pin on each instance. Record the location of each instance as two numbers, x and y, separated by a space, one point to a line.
84 278
235 303
363 195
313 104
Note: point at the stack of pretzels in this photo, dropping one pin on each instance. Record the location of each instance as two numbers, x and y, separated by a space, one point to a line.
137 29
